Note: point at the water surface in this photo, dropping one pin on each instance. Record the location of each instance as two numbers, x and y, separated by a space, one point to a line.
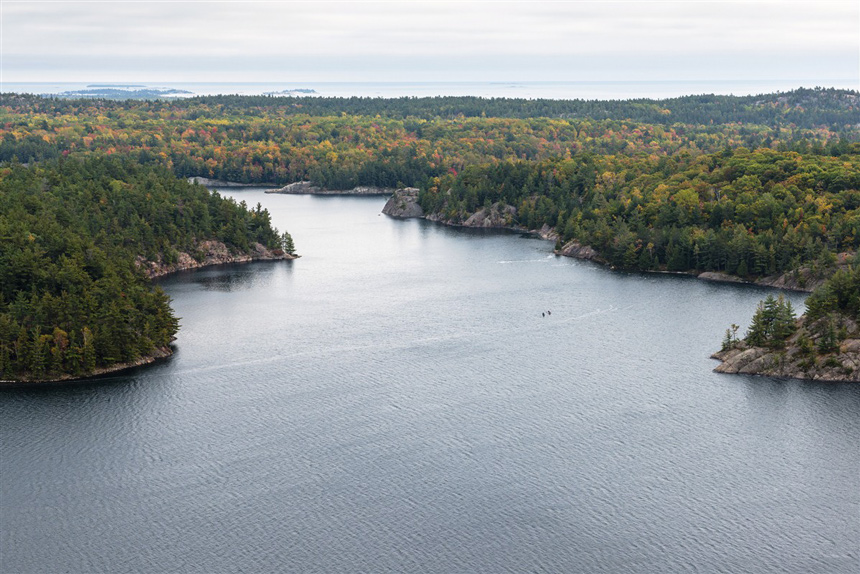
559 90
394 401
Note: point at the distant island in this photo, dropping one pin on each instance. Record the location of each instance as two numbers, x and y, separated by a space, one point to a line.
291 92
119 92
116 85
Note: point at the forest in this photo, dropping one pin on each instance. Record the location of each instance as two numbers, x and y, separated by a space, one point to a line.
750 186
339 143
72 298
747 213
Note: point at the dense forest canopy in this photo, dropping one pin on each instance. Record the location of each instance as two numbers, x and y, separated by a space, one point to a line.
340 143
803 107
71 295
740 211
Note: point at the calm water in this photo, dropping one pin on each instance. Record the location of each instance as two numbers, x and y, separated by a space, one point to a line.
394 402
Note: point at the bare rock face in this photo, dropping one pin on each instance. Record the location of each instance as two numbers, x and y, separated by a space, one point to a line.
497 216
745 361
210 253
205 181
578 251
843 364
404 204
298 187
548 233
720 277
307 188
803 279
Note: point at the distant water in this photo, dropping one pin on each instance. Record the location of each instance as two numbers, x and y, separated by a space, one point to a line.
394 401
551 90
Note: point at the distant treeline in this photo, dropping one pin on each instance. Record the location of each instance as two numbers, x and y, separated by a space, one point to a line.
804 107
340 143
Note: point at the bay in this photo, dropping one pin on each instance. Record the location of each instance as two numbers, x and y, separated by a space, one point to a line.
395 401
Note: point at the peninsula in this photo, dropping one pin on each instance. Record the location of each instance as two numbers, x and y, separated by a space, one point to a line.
82 238
823 344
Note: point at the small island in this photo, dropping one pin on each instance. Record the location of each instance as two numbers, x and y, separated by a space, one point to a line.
292 92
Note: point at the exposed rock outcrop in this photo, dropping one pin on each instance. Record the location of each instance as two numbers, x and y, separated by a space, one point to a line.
307 188
298 187
210 253
795 361
578 251
548 233
205 181
841 366
720 277
804 279
496 217
404 204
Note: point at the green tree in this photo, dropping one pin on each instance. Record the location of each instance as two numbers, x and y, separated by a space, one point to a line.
287 243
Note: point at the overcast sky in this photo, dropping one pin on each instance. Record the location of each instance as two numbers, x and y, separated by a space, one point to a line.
276 41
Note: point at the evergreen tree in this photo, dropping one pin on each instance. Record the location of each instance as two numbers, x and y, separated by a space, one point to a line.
827 342
772 323
287 243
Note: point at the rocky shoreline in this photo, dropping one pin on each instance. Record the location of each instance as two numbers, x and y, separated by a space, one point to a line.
842 365
210 253
157 354
214 253
403 204
206 182
307 188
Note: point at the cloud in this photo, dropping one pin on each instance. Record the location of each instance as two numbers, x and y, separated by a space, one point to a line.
74 40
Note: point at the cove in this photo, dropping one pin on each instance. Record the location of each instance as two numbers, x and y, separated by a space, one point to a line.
394 401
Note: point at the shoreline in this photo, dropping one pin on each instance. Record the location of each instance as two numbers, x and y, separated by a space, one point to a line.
156 355
403 204
216 253
155 271
211 183
308 188
840 366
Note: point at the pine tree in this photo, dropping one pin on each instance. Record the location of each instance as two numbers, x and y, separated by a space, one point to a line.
287 243
758 332
783 322
89 351
772 324
730 341
828 343
5 362
22 350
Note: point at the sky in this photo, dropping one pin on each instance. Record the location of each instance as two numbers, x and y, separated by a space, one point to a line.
398 41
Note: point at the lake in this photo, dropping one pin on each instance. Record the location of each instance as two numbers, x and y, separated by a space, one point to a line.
394 401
